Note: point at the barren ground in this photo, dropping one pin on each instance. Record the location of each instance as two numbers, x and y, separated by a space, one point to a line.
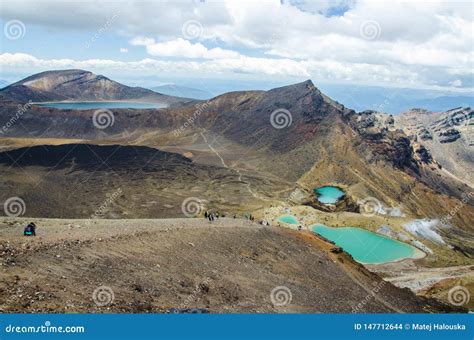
231 265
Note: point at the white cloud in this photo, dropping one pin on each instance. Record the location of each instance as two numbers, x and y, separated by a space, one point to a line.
456 83
285 68
242 64
182 48
417 43
123 50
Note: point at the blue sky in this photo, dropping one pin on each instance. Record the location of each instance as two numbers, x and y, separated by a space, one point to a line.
409 44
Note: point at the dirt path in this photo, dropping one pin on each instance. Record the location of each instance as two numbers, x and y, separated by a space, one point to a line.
254 194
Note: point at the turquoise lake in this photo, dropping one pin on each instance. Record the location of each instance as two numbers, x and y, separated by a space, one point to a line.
102 105
365 246
288 219
328 194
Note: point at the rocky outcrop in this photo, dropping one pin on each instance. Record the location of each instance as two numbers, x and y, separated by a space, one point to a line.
423 154
425 134
449 136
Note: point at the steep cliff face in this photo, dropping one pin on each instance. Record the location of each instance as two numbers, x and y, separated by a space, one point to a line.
448 136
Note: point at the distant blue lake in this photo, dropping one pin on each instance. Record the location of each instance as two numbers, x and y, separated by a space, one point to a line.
101 105
328 194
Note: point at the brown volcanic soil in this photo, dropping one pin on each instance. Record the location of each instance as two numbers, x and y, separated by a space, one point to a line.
236 160
153 265
75 180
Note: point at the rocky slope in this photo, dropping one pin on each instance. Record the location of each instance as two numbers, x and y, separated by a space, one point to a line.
240 152
143 266
449 137
293 135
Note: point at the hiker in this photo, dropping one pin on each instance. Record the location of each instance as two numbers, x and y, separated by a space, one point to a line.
217 214
300 227
206 214
30 230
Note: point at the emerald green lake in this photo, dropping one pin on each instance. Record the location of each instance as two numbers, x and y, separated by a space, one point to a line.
101 105
365 246
288 219
328 194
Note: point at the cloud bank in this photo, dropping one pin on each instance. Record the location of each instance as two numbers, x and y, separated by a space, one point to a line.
404 43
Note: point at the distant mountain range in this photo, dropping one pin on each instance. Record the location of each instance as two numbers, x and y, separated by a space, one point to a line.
79 85
183 91
395 100
3 83
69 85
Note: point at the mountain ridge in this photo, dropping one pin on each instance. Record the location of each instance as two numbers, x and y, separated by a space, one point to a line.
293 135
76 84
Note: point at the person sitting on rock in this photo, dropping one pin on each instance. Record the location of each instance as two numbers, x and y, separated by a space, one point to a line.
30 230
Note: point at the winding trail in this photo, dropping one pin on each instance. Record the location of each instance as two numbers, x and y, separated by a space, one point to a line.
249 189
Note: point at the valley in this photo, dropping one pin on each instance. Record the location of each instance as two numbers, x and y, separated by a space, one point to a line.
116 195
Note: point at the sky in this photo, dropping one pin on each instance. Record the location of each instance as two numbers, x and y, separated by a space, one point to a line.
407 44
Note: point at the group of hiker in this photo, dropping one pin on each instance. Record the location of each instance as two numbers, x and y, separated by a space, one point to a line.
249 217
211 216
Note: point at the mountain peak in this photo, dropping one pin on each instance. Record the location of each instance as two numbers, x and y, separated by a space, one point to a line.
77 84
301 87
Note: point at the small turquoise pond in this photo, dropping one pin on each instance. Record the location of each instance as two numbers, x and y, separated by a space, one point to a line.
101 105
328 194
288 219
365 246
